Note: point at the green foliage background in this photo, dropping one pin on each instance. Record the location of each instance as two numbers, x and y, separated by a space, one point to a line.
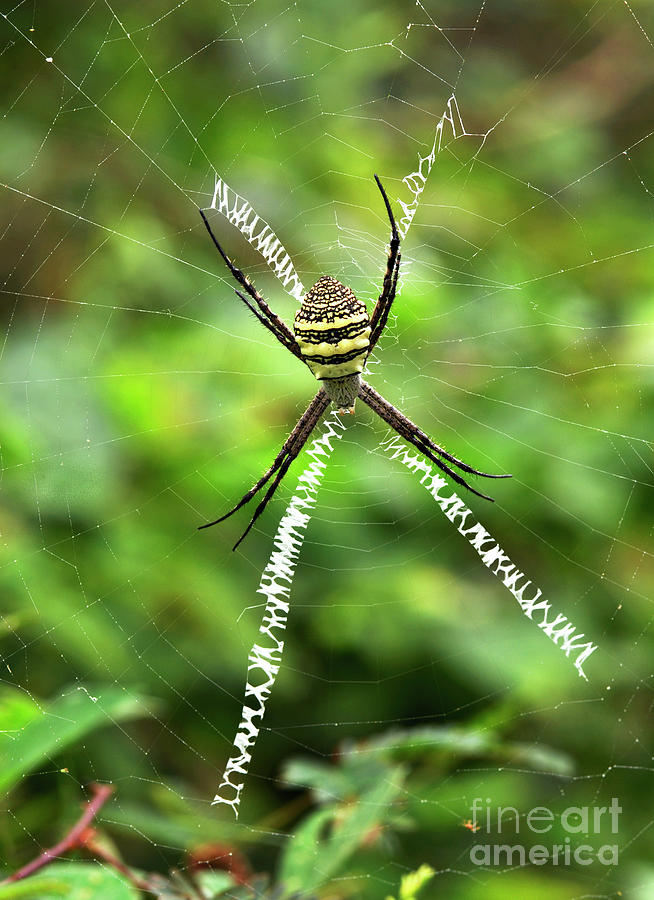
139 399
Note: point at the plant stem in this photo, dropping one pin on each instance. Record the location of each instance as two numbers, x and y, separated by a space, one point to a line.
72 841
99 852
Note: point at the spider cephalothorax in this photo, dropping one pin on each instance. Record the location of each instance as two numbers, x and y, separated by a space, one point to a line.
333 335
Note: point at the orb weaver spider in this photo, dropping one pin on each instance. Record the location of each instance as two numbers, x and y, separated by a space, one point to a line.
334 336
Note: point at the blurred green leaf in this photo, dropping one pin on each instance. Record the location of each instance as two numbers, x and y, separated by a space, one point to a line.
412 884
322 844
185 822
213 883
361 764
60 724
75 881
328 781
469 741
34 889
16 710
92 881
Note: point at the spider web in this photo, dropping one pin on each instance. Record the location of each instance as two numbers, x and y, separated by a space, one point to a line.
265 661
140 400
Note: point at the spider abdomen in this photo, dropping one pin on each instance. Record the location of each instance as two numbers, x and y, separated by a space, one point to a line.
332 329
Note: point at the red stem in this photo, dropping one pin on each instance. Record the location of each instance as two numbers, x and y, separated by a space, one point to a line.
74 838
100 853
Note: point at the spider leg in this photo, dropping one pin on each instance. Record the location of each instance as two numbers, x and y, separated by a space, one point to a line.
290 449
283 469
411 433
421 436
383 316
383 306
277 325
266 322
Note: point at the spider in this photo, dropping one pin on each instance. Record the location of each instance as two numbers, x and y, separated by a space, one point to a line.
334 336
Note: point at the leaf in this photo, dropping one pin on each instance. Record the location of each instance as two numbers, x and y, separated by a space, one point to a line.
60 724
74 881
329 781
414 882
461 741
34 889
313 857
91 881
16 710
214 883
300 859
184 827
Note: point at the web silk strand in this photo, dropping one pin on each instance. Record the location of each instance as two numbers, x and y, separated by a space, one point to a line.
277 578
257 232
265 656
557 627
238 211
416 181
